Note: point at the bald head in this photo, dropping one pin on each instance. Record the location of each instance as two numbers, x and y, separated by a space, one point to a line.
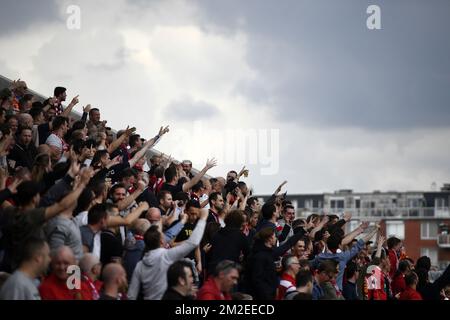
88 262
63 252
153 215
114 277
140 226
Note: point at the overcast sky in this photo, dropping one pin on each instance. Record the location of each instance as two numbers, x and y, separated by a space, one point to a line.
347 107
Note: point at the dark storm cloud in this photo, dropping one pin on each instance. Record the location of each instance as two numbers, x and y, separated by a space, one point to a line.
17 15
320 65
187 109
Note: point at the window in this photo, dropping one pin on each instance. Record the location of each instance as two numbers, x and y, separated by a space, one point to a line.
439 203
428 230
395 228
308 204
358 203
414 203
431 253
337 203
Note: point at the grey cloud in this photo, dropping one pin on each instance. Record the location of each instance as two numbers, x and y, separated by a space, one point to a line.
18 15
320 65
186 109
120 55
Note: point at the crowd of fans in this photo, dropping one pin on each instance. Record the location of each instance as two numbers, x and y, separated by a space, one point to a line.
77 196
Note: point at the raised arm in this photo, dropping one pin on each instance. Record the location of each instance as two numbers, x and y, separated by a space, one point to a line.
178 252
243 172
123 204
319 227
71 198
147 146
352 235
209 164
116 221
369 236
116 143
278 190
380 242
69 108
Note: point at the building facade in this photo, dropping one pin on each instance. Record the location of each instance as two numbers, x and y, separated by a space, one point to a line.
421 219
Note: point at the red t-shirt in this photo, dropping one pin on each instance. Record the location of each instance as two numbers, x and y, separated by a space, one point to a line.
398 284
54 289
286 282
90 290
209 291
410 294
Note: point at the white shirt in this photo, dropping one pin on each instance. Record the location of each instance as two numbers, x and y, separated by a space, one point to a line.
97 245
204 197
81 219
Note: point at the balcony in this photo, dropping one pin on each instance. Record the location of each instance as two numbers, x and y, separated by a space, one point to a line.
443 240
383 213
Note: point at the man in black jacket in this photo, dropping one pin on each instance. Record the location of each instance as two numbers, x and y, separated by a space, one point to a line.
23 152
261 275
229 242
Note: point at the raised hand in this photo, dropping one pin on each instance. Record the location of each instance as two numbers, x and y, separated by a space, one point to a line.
211 163
75 100
163 131
280 186
243 172
129 131
87 108
325 220
86 175
310 224
364 225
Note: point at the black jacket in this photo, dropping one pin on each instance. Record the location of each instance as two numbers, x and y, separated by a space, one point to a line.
22 155
227 244
171 294
261 274
431 291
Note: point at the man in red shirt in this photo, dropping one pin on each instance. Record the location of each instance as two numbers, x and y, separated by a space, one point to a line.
291 267
55 286
91 269
220 284
410 292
